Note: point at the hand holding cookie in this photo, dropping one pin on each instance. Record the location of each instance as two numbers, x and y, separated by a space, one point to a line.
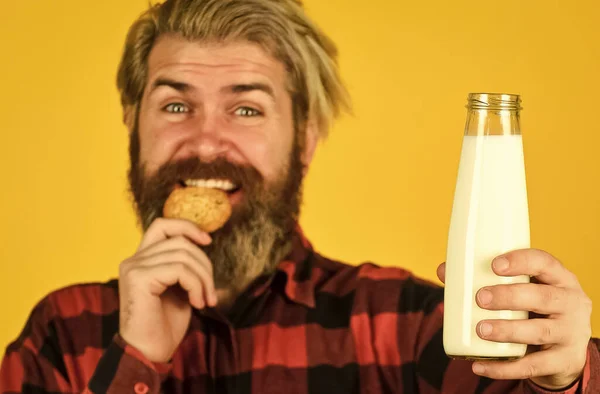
170 274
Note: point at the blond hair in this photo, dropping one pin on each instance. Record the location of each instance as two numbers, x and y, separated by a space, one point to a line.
280 27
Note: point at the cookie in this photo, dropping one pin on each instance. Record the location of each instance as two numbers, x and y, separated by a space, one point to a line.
208 208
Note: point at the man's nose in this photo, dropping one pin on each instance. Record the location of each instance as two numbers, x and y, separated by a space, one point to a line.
207 141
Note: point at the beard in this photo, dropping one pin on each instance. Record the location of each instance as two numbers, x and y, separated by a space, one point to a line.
259 232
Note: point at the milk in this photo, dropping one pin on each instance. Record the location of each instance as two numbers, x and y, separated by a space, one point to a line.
489 217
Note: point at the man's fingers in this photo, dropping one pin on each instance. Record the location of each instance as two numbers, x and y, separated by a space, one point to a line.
531 297
181 257
535 364
538 364
179 242
162 276
529 332
441 272
537 263
162 229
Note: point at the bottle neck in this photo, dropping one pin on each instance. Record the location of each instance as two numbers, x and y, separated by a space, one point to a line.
486 122
493 114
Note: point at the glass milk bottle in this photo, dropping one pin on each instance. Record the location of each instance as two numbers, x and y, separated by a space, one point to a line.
489 217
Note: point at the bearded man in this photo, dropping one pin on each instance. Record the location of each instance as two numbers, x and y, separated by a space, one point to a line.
235 95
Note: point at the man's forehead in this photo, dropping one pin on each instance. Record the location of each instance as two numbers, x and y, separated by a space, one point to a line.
174 54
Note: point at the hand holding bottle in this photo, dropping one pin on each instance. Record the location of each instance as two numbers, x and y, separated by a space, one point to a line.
559 333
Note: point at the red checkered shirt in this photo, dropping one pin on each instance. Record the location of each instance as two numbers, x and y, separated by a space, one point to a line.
315 326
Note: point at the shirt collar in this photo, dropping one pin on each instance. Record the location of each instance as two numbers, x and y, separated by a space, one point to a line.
299 269
296 271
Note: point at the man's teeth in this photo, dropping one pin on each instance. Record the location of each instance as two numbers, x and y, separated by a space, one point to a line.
222 184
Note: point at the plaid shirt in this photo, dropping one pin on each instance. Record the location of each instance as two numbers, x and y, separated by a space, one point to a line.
315 326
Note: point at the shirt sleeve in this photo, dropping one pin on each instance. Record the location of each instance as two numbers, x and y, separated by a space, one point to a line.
436 373
123 369
34 362
39 362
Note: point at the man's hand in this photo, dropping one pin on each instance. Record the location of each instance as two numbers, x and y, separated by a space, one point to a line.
559 330
159 285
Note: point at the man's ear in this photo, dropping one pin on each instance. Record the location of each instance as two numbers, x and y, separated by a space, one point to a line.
310 144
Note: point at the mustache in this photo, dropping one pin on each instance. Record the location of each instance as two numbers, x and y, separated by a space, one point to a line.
170 174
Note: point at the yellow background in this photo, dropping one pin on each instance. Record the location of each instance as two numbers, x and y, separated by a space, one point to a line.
381 187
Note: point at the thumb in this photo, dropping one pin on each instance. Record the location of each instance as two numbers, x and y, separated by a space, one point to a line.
441 272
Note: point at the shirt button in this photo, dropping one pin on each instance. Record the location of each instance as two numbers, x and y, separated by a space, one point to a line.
141 388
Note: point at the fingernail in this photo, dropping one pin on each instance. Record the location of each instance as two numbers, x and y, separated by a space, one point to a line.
485 329
501 264
478 368
485 297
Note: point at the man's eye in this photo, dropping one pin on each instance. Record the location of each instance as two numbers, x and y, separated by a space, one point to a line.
176 108
247 112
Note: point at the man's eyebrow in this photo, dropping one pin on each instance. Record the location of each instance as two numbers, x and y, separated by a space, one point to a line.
249 87
181 87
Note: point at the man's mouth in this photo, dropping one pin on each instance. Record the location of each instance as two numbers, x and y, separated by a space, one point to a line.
232 189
